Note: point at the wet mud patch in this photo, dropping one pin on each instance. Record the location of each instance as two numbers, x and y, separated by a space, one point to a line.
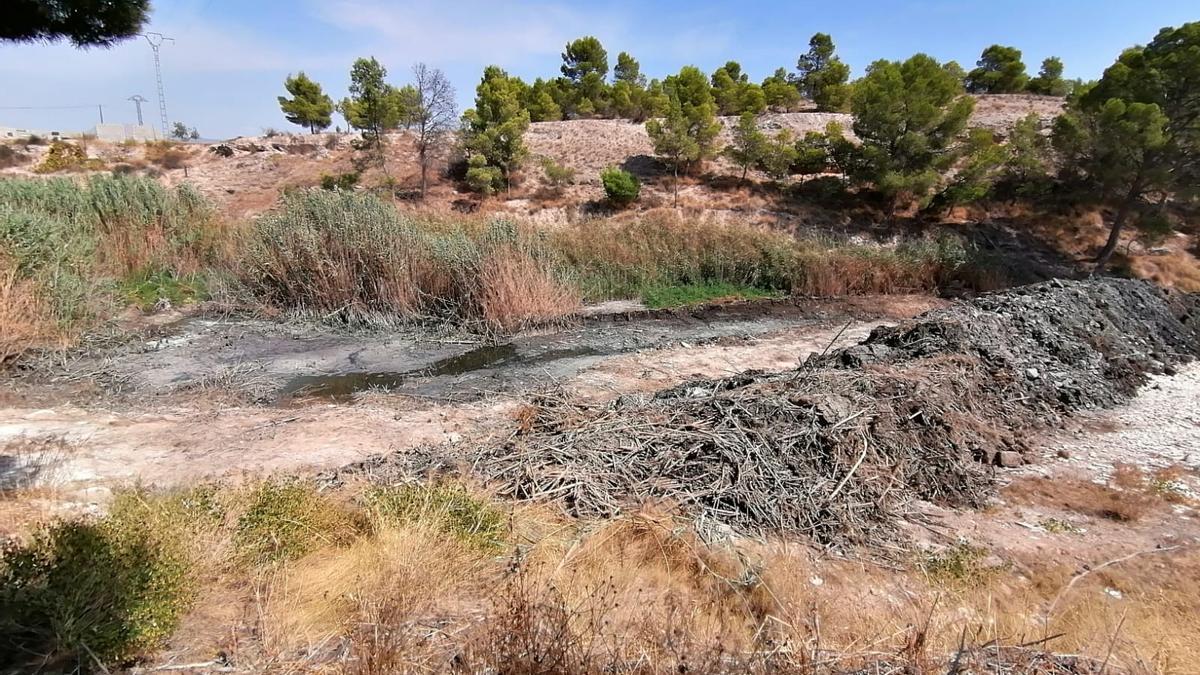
245 361
344 386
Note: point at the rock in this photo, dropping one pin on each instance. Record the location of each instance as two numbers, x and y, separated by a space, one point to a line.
1009 459
1063 454
1032 373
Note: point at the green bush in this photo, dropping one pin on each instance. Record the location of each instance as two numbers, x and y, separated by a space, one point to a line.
81 592
483 178
288 518
621 187
341 181
448 508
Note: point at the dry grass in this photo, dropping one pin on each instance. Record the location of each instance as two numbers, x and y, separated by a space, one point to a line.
644 594
1081 496
515 291
1178 269
25 321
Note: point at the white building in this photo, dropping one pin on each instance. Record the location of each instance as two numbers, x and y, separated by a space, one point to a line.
106 132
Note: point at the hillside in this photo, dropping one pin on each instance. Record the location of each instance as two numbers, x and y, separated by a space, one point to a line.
249 181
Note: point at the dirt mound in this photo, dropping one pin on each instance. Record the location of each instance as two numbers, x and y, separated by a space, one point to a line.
839 447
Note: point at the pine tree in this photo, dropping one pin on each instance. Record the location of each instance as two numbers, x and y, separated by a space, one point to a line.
494 129
374 106
909 118
778 92
309 106
998 71
1049 80
822 76
688 133
749 144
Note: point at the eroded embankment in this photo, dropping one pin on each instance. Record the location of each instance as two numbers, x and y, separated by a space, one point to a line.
837 448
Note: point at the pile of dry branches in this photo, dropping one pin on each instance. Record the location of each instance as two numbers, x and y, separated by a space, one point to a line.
839 448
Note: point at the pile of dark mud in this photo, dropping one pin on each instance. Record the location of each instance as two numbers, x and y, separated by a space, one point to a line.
839 448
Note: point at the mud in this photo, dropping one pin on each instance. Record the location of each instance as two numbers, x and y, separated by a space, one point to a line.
271 363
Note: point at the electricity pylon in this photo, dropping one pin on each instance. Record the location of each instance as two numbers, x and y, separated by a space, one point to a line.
156 40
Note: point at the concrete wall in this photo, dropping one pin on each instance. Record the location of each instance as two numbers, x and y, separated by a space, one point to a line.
124 132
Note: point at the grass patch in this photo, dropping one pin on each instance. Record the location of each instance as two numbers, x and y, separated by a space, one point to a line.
692 294
77 242
448 508
287 519
354 257
148 290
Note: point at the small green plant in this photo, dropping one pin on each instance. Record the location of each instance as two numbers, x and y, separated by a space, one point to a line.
447 507
557 175
286 519
1058 526
340 181
620 186
960 564
84 593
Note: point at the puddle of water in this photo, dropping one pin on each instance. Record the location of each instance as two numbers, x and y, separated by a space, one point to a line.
343 386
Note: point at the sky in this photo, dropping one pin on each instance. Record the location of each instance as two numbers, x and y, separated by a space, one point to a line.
226 67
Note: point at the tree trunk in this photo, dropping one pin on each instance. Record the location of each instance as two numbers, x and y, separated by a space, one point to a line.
676 184
424 173
745 168
1114 235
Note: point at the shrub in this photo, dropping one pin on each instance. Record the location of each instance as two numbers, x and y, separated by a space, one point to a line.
84 591
286 519
620 186
557 175
62 156
447 508
221 150
10 157
341 181
165 154
483 178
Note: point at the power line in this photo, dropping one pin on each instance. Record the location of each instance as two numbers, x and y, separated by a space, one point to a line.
49 107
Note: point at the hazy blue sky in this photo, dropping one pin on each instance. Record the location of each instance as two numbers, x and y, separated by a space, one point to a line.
230 56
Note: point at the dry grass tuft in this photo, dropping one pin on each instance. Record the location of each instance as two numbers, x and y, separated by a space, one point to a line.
25 321
515 292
